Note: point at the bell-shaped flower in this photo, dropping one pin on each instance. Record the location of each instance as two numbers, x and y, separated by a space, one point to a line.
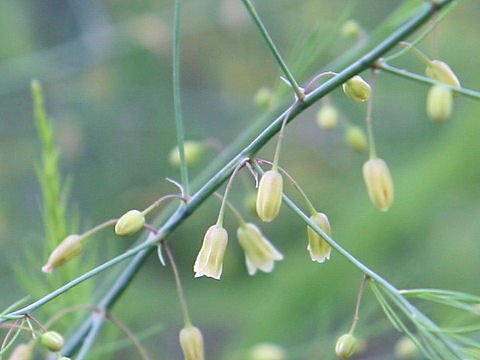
191 341
209 260
439 103
317 246
379 183
269 195
259 252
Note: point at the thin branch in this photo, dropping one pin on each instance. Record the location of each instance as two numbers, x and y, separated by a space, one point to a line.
423 79
177 102
286 71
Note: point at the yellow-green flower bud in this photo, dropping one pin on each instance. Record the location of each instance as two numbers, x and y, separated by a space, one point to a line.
317 246
264 98
355 138
209 260
52 340
267 351
129 223
70 247
351 29
327 117
193 152
22 352
346 346
379 183
439 103
357 89
191 341
259 252
405 349
269 195
440 71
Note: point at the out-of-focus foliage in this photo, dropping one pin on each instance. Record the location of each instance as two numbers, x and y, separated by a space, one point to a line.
106 70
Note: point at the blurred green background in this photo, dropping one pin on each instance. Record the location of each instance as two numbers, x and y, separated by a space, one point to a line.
106 70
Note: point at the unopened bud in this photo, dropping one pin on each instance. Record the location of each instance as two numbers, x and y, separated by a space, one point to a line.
355 138
193 151
357 89
209 260
405 349
439 103
52 340
351 29
440 71
129 223
318 248
269 195
327 117
22 352
70 247
259 252
346 346
267 351
191 341
264 98
379 183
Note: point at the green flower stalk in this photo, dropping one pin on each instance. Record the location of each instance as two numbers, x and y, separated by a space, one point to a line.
439 103
269 195
318 248
259 252
209 260
191 341
129 223
379 183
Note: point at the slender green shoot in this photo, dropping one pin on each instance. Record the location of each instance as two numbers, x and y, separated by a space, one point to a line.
177 102
286 71
427 31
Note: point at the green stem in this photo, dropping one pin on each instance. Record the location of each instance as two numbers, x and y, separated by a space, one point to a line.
294 184
142 251
97 228
253 13
427 31
369 118
177 102
417 52
92 335
423 79
181 294
160 200
356 317
235 212
276 156
221 213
